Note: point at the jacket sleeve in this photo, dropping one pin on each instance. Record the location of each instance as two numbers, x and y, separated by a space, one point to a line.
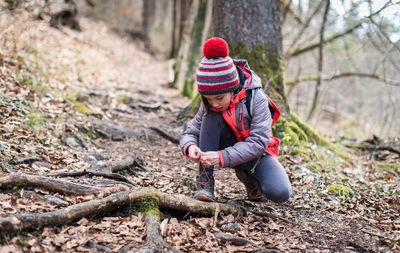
257 142
191 135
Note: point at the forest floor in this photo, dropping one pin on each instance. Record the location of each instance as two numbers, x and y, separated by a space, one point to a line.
55 84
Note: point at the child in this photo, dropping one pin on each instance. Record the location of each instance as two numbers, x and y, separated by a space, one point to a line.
233 128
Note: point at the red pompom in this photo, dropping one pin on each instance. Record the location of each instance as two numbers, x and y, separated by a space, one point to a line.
215 47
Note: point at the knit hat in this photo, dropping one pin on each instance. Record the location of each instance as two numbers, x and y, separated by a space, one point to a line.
216 73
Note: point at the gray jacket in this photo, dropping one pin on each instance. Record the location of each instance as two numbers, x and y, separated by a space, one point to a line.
258 120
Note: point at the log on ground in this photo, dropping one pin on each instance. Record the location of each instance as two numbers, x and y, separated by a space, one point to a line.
106 205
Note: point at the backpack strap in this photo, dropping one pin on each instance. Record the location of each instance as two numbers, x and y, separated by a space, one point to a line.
249 102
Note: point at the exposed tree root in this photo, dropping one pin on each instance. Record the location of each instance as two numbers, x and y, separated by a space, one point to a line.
165 135
153 236
28 160
48 183
105 205
148 107
115 166
112 130
114 176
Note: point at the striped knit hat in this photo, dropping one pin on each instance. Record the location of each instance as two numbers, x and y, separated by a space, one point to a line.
216 73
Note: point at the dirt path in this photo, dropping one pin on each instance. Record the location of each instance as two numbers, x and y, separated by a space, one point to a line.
125 83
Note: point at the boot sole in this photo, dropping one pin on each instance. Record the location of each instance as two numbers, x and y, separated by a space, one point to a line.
204 198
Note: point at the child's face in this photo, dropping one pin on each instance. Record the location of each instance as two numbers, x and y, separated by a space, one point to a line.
220 102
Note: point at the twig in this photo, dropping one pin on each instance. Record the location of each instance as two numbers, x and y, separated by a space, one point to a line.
305 48
82 142
139 166
147 137
295 81
216 215
270 215
320 61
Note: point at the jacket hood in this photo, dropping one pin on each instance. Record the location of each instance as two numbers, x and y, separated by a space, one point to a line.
255 79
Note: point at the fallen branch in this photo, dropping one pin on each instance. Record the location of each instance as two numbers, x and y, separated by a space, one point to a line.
162 133
48 183
236 240
375 148
295 81
105 205
114 176
153 236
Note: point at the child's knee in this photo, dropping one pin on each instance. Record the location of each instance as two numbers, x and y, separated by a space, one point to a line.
277 194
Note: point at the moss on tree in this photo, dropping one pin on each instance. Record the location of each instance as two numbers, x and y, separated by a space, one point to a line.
148 205
268 66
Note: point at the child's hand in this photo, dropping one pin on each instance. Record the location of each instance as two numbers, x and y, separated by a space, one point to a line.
210 158
194 153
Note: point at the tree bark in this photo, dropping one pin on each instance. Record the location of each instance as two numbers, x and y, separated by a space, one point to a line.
148 12
253 32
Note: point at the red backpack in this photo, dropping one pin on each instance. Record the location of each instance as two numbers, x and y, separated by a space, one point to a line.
230 118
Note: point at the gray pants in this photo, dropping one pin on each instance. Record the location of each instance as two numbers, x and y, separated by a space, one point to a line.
266 173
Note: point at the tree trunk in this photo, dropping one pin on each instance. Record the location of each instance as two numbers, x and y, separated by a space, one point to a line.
253 32
148 12
187 62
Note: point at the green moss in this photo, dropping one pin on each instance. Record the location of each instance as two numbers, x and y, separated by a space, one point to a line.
268 66
188 90
339 189
391 168
35 119
190 183
124 99
189 87
147 205
4 239
289 132
194 106
317 139
77 100
35 83
209 211
296 80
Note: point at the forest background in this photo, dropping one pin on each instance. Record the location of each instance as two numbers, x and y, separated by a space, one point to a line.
94 95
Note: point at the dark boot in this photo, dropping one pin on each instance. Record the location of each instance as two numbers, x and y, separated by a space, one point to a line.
205 184
253 193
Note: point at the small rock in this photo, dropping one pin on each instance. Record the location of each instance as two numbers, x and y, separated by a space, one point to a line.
230 227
